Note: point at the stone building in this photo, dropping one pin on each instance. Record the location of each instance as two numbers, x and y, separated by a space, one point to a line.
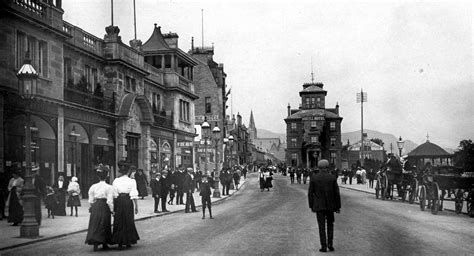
313 131
209 78
372 151
272 146
98 101
240 150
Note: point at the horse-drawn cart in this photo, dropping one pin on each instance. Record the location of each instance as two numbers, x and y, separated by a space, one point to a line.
446 183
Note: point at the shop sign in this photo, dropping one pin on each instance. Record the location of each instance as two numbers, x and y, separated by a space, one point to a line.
165 147
213 118
185 143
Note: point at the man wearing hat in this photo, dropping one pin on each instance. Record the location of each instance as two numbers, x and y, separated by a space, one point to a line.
188 187
324 199
39 191
156 189
164 190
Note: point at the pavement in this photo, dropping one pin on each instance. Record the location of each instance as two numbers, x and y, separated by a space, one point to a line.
448 205
62 226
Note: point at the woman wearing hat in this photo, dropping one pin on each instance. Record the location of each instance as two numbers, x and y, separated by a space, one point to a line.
101 199
124 230
15 208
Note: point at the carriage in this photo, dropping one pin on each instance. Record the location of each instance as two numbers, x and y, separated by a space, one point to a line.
446 183
389 178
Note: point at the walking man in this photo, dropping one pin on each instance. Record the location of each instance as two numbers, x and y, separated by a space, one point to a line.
156 189
324 199
189 189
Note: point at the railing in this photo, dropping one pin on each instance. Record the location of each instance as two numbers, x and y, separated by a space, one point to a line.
164 120
88 99
82 39
35 7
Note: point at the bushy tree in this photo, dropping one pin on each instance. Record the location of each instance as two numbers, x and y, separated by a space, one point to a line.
377 141
464 156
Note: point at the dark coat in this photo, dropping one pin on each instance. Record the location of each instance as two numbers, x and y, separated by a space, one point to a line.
165 185
323 192
156 189
40 186
205 189
188 184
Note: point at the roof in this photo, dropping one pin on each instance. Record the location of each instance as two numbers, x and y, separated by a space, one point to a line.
428 149
156 42
313 112
373 146
313 88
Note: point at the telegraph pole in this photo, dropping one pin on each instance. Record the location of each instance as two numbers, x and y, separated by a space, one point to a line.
361 98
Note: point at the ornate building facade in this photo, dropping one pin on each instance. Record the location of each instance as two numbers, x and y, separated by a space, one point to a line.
313 131
98 100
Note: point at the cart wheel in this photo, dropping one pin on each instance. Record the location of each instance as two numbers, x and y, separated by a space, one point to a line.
413 191
422 197
377 188
435 201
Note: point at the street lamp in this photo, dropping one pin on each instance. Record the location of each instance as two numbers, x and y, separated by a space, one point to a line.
73 137
231 144
216 132
226 150
205 128
27 86
400 144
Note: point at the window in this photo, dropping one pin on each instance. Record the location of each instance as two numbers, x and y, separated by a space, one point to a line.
314 139
156 102
333 141
313 100
95 79
307 101
314 124
208 104
293 126
37 52
293 142
332 126
68 78
88 75
294 156
183 110
333 157
130 84
318 103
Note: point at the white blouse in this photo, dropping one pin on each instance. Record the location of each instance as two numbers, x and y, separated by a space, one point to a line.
102 190
73 188
126 185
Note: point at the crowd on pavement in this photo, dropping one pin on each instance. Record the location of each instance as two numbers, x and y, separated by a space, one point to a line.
165 186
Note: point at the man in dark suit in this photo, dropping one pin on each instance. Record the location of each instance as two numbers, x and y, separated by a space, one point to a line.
324 199
164 190
188 187
206 195
39 191
155 185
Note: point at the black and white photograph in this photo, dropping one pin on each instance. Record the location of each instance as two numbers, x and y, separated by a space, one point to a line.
236 127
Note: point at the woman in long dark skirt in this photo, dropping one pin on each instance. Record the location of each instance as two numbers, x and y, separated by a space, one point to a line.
124 230
15 209
60 188
261 178
101 198
142 183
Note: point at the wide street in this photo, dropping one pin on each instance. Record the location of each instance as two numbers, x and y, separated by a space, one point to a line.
279 222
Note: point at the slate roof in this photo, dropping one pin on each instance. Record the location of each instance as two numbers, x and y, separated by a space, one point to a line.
156 42
312 112
428 149
313 88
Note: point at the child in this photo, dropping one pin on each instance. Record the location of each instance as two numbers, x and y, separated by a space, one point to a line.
73 190
51 201
172 190
205 194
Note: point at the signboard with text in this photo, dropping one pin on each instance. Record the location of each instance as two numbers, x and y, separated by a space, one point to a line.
209 118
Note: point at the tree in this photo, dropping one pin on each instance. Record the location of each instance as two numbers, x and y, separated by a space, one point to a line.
377 141
464 156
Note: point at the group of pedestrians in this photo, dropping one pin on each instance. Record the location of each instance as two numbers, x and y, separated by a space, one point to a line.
119 200
265 178
56 198
360 174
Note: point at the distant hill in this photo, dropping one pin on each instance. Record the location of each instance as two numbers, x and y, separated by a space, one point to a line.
262 133
387 138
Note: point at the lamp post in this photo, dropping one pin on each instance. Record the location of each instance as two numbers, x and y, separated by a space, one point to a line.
205 127
226 150
231 143
27 86
400 144
73 137
216 132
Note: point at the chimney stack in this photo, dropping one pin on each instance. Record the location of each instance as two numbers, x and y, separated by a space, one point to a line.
289 109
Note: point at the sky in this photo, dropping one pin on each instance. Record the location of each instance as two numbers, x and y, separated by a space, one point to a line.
413 58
